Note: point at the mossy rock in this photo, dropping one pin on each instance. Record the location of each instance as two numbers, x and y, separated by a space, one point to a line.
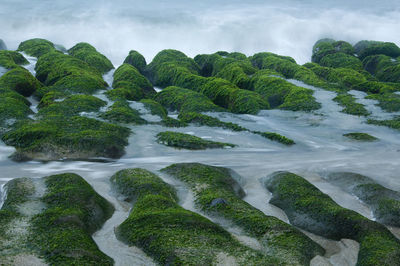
385 48
185 100
137 60
121 112
20 80
170 234
172 122
56 137
326 47
128 73
54 66
217 193
11 59
90 55
384 202
155 107
69 106
186 141
276 137
341 60
74 211
36 47
360 136
125 90
13 107
361 45
284 95
205 120
350 105
310 209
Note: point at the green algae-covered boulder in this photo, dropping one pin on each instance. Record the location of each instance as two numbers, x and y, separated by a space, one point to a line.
310 209
384 202
61 233
276 137
137 60
341 60
11 59
206 120
57 137
155 108
190 142
54 66
69 106
170 234
124 90
390 102
20 80
36 47
185 100
90 55
166 70
129 74
392 123
283 94
13 108
325 47
361 45
217 193
121 112
384 48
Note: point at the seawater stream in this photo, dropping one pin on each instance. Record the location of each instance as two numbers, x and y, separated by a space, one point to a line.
320 148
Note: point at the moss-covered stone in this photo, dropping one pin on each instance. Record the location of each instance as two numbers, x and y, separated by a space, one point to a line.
36 47
350 105
385 48
127 76
13 107
69 106
137 60
172 122
328 47
57 137
361 45
11 59
384 202
182 71
20 80
90 55
217 193
67 74
121 112
308 208
186 141
155 108
341 60
284 95
74 211
170 234
389 102
276 137
185 100
205 120
360 136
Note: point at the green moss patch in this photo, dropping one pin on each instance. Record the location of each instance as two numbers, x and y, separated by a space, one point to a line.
155 107
137 60
11 59
350 105
59 137
308 208
121 112
276 137
90 55
36 47
205 120
217 193
360 136
170 234
20 80
392 123
62 232
186 141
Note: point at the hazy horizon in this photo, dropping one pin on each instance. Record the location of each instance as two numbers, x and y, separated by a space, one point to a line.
289 27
